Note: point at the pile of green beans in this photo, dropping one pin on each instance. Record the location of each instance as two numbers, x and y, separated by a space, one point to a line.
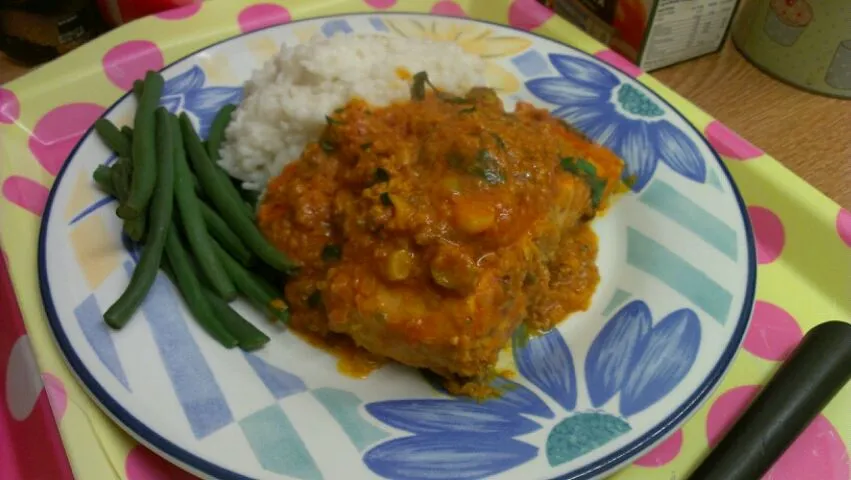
190 218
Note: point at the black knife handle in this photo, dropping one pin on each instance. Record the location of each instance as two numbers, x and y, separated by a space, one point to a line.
817 369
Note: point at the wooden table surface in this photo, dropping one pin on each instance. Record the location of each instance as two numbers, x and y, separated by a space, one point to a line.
808 133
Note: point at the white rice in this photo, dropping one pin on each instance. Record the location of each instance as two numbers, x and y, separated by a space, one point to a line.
285 101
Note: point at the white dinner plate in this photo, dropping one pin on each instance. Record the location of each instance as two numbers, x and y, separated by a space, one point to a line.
676 260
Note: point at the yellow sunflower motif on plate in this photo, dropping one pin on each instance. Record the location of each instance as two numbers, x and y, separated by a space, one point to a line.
217 67
476 39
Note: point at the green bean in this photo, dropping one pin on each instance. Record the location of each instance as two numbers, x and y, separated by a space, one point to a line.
229 204
270 279
225 185
251 197
197 186
180 268
217 131
115 180
200 243
138 87
266 285
128 134
103 177
225 179
252 287
133 227
112 137
219 230
120 172
160 219
248 337
144 146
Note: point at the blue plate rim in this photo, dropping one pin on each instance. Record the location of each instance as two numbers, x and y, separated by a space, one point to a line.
188 460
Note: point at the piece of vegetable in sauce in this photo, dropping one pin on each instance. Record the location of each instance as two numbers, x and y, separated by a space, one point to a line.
418 86
452 184
327 146
332 252
332 121
588 172
453 99
474 217
452 269
484 165
381 175
398 265
418 90
487 168
385 199
366 147
314 300
499 142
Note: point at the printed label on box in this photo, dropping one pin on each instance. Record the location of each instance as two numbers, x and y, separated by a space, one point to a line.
652 33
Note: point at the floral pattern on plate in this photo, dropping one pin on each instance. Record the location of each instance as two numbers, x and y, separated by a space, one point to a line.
620 116
480 439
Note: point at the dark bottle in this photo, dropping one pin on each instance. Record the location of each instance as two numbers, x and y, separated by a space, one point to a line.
35 31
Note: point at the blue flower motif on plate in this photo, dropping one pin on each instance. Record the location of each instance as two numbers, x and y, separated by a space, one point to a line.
642 361
476 440
472 440
620 116
187 92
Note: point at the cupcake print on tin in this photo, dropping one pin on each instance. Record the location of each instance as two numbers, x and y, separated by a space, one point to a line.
786 19
839 70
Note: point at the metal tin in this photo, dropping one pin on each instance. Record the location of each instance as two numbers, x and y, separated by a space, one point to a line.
806 43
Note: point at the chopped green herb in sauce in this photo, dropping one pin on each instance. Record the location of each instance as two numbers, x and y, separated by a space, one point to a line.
467 110
418 86
453 99
484 166
487 168
588 172
366 146
418 90
327 146
332 252
455 160
332 121
385 199
315 299
381 175
499 142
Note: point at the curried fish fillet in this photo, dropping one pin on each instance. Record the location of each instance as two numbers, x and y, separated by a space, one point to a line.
430 230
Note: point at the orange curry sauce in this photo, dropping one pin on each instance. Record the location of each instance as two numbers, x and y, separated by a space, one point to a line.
429 230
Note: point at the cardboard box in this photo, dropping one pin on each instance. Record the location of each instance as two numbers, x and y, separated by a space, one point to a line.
652 33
